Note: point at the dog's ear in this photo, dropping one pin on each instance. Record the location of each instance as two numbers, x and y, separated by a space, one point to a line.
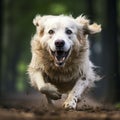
92 29
36 20
86 26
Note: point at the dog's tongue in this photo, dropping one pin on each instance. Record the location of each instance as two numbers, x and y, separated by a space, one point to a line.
59 59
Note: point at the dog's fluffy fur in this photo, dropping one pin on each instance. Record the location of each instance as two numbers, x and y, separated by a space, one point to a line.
62 67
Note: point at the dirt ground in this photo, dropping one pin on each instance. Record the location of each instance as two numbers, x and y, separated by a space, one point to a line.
38 109
57 114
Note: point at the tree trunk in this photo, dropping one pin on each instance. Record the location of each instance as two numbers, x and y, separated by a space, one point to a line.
110 51
1 27
90 11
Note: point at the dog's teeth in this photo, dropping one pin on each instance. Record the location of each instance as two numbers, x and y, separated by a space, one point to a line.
56 59
63 59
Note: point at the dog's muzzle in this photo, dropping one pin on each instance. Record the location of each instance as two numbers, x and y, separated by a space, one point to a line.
60 55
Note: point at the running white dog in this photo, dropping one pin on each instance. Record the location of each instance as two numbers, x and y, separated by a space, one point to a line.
60 57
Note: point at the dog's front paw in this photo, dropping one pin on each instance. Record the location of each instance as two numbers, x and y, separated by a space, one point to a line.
70 104
51 91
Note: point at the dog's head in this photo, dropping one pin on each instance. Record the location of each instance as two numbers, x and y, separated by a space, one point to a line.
60 34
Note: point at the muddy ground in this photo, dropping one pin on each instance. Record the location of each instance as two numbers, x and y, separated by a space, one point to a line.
36 108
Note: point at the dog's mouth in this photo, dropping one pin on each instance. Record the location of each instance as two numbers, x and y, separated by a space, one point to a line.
60 56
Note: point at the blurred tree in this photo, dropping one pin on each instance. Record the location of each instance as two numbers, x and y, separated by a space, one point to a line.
91 14
90 9
1 27
14 42
110 50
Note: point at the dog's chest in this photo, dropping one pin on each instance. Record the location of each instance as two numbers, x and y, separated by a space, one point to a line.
63 79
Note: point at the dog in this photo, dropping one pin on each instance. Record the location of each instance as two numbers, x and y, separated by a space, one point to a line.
60 57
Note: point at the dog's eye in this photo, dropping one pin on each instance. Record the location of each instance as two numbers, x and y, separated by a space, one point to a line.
51 32
69 32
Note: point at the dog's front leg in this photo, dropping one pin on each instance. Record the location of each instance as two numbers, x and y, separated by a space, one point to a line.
37 81
75 94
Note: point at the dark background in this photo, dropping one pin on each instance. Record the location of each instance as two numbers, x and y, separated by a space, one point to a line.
17 29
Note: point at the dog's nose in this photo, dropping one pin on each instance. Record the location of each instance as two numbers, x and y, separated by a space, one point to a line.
59 43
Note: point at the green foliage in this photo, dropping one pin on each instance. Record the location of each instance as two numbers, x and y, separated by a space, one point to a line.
117 106
21 78
57 8
21 67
